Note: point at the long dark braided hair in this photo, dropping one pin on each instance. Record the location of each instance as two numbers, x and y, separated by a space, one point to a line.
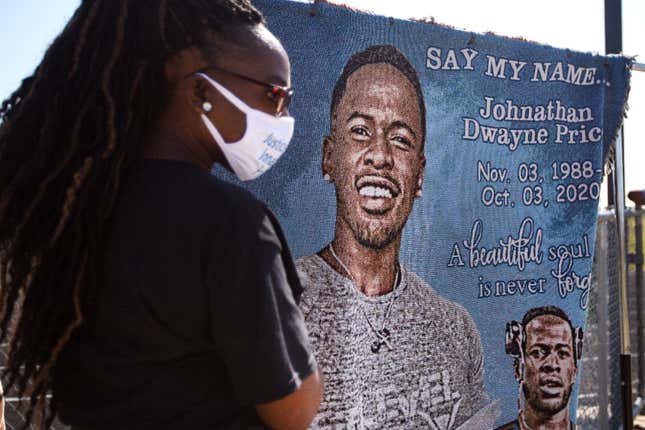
68 135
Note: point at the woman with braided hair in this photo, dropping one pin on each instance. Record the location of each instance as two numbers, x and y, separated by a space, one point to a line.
138 290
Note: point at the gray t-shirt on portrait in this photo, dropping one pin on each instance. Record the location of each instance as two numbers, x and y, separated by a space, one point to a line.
432 378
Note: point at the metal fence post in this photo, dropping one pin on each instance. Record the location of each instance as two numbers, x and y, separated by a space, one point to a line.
638 197
625 353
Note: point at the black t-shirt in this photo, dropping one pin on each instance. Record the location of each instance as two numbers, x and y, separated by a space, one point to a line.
198 320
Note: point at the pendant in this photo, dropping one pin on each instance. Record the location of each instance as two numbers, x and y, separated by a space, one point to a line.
383 337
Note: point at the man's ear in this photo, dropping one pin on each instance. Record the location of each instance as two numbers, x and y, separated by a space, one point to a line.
327 166
516 369
420 178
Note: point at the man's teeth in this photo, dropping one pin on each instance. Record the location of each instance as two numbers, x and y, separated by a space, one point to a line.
372 191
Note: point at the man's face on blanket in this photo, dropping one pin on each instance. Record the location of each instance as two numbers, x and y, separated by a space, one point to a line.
375 153
550 367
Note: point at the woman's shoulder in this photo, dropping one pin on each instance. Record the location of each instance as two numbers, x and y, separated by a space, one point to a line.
193 189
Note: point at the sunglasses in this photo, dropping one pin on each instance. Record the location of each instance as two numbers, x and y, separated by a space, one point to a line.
278 94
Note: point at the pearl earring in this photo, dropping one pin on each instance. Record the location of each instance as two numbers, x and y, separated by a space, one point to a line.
326 177
419 193
207 106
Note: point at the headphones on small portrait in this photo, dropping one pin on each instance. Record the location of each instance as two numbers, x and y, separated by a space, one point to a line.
516 338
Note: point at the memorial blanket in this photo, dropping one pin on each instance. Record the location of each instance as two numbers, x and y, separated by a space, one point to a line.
440 196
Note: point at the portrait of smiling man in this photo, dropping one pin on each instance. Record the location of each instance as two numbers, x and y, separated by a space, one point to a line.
394 353
545 348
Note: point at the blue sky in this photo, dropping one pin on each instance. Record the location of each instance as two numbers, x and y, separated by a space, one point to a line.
28 26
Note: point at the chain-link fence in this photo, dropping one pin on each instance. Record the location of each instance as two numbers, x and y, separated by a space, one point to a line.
14 410
600 398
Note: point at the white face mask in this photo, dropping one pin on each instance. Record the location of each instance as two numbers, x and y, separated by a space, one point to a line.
266 138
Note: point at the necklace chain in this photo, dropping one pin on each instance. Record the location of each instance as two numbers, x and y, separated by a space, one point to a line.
382 335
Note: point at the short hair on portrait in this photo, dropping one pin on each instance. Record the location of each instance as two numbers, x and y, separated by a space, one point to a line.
380 54
533 313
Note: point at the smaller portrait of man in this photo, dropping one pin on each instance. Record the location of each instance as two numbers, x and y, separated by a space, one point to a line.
394 353
545 347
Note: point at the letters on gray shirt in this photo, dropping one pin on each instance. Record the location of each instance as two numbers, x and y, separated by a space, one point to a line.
431 378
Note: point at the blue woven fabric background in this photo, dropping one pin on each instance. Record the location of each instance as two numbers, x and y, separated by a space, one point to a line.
320 45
